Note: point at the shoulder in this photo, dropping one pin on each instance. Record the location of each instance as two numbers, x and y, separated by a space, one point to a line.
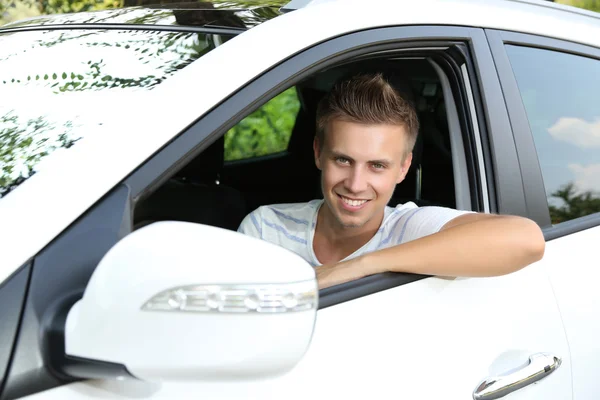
409 221
295 213
287 225
414 211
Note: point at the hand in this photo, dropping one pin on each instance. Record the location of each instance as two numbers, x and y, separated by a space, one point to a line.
338 273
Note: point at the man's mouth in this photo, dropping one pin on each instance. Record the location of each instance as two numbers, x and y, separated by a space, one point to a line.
352 202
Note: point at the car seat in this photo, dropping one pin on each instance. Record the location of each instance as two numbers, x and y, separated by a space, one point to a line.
196 194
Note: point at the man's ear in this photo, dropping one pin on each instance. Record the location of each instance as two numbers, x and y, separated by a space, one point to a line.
405 167
317 151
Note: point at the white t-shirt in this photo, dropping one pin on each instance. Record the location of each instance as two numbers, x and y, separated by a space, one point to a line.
293 226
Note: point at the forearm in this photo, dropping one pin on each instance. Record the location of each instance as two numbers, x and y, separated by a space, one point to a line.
480 248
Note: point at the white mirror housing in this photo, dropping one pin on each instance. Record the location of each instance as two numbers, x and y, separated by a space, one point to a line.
183 301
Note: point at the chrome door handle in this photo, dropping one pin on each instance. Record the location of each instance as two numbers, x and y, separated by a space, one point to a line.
540 365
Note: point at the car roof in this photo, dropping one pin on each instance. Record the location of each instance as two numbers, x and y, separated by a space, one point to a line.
229 14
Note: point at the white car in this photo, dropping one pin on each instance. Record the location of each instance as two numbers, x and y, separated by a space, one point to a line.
134 141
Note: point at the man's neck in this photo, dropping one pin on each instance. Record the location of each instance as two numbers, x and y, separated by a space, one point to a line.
333 242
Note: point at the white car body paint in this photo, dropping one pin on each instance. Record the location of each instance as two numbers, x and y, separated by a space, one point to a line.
445 339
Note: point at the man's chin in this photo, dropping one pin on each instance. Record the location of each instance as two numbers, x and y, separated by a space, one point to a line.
353 226
351 223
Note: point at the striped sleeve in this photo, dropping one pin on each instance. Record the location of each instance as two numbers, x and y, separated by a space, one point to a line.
252 224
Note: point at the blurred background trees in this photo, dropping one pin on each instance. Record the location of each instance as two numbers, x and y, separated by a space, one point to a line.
13 10
592 5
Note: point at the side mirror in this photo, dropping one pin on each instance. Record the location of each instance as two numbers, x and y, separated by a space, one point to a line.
177 301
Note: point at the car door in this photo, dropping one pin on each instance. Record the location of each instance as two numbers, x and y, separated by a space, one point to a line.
389 335
552 90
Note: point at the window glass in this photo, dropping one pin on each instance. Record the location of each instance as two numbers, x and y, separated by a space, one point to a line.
561 94
57 85
265 131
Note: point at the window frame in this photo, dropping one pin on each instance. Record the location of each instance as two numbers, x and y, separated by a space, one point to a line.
533 180
489 105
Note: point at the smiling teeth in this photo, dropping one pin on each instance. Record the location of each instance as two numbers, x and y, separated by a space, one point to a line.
354 203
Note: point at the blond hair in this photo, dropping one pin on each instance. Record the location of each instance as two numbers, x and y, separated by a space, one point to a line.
367 99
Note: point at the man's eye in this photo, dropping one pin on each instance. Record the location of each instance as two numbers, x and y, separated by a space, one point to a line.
342 160
378 166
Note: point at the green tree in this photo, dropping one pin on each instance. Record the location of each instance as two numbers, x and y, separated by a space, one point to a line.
592 5
14 10
265 131
574 205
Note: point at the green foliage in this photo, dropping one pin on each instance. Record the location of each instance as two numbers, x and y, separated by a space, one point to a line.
265 131
592 5
46 7
574 205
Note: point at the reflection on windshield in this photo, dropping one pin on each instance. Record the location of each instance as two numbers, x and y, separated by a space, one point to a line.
561 93
56 85
216 13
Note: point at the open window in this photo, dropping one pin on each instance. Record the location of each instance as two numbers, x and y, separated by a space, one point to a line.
453 160
267 157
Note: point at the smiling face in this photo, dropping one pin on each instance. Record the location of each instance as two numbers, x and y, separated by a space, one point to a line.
360 166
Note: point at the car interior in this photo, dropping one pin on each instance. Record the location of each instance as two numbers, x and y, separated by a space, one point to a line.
219 192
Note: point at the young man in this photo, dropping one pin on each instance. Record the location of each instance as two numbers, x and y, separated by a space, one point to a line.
365 135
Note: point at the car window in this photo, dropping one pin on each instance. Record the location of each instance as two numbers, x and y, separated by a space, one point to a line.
265 131
561 93
57 85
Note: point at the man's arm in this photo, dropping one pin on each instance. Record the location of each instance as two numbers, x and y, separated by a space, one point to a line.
252 224
473 245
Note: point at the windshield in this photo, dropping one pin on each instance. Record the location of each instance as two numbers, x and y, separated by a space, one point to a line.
58 85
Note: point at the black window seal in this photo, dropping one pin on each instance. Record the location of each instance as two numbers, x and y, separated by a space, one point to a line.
499 147
533 180
571 226
199 135
450 66
128 27
26 270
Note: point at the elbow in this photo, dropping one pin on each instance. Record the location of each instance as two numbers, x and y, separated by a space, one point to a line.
533 242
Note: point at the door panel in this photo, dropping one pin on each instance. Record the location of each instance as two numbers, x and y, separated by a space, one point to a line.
555 127
572 261
431 339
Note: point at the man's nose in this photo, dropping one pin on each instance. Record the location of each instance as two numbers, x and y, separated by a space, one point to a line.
356 181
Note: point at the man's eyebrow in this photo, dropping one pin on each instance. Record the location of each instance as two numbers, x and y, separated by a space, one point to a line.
382 161
336 154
